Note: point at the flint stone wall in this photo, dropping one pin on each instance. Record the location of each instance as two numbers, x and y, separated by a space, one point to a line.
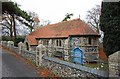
67 69
29 55
114 65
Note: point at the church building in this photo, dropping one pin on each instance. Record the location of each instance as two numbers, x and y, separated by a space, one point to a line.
77 32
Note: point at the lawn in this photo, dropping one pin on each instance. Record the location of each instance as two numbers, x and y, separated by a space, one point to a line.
100 65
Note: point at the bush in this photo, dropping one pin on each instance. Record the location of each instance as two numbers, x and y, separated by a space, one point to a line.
19 39
6 38
16 41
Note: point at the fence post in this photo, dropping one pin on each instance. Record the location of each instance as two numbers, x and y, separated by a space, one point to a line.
20 45
4 43
114 65
40 52
50 48
66 50
1 43
10 44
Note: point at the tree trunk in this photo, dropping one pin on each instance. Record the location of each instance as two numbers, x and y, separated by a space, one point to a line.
14 27
11 31
97 29
11 34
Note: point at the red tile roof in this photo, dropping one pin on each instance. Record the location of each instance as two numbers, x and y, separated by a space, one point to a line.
31 40
64 29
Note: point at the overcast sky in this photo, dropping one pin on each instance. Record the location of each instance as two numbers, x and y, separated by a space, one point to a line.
55 10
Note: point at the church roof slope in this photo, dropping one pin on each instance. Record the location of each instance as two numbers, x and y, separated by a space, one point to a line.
64 29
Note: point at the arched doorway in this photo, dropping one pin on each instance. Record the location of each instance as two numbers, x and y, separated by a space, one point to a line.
27 46
77 55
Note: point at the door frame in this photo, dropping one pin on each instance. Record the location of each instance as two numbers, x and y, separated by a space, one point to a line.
82 53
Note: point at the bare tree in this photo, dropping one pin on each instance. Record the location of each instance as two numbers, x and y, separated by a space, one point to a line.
8 29
7 25
44 22
33 15
93 16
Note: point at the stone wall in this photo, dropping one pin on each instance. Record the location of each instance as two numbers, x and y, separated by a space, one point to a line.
29 55
67 69
114 65
33 48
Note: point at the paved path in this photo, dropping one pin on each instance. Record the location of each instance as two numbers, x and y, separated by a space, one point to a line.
14 67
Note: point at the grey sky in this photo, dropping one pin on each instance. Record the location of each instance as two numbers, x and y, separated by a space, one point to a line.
55 10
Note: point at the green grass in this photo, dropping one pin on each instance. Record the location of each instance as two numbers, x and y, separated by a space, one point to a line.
101 65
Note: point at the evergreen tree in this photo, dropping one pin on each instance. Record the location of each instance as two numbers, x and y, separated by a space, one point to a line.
13 12
110 25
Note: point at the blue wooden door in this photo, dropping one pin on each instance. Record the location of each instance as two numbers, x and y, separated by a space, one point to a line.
77 55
